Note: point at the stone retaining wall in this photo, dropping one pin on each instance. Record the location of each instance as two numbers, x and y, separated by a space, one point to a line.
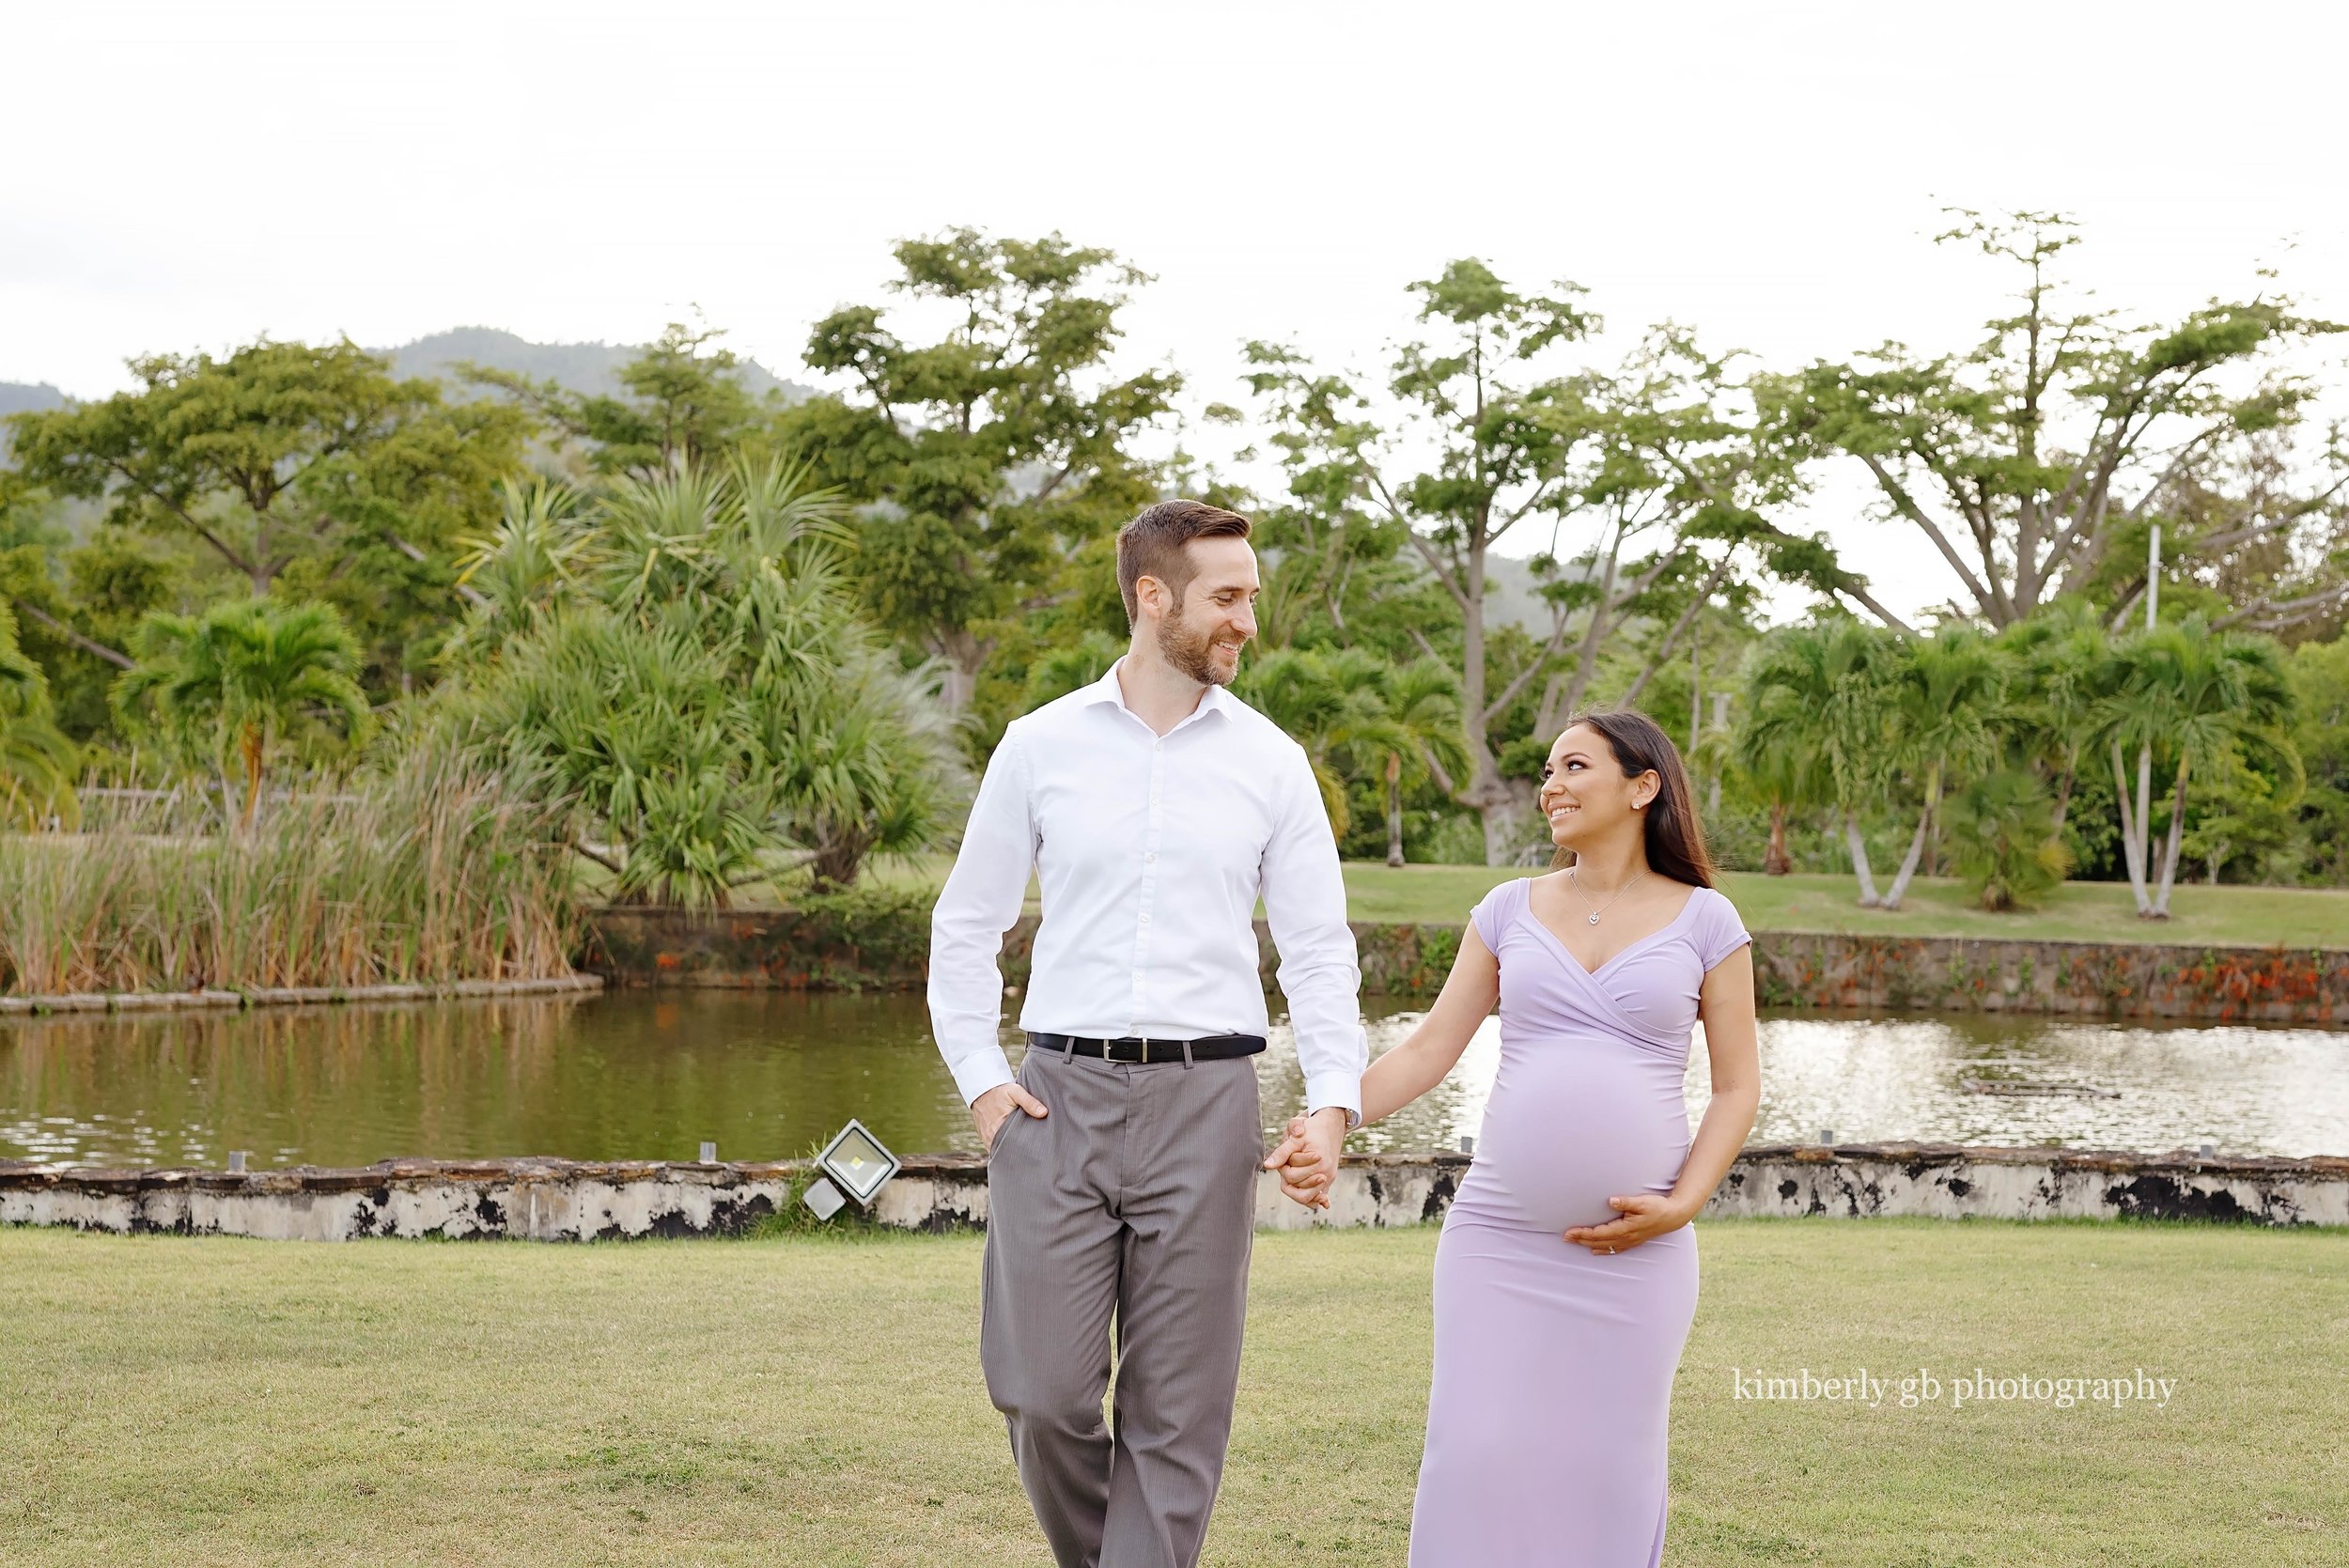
232 997
2270 984
548 1200
1792 969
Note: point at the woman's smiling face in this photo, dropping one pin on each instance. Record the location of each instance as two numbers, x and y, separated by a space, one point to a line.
1585 791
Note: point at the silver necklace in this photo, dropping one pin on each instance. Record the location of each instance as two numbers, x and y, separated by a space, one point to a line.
1602 908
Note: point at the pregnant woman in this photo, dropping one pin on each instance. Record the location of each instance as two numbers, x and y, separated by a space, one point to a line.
1566 1274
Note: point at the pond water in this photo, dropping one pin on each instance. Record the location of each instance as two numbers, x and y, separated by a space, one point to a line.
767 1075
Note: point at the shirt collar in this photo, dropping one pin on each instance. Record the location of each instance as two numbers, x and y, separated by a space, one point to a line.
1215 700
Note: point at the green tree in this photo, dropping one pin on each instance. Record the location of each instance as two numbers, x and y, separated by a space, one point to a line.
1500 457
1818 697
2181 695
308 468
2056 654
1332 704
2029 464
36 759
525 565
682 652
77 610
1778 752
2320 683
2241 811
1646 480
1947 696
1424 738
991 455
1333 564
2004 839
1070 666
685 402
241 679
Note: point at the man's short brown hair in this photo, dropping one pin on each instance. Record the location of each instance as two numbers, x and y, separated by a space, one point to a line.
1152 545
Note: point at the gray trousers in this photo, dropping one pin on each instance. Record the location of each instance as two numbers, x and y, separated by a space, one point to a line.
1133 1201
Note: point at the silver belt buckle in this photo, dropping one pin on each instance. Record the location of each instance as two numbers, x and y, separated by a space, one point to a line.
1141 1051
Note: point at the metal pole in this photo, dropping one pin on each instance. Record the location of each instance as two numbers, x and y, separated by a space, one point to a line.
1696 707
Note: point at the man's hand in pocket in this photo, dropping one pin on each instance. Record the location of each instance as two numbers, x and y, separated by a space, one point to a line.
991 1110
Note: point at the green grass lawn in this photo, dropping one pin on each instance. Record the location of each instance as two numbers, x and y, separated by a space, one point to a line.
1935 906
817 1401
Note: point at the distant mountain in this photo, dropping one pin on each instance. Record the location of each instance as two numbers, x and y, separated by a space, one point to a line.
589 368
23 397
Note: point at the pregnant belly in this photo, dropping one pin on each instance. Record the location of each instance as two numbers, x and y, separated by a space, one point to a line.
1570 1124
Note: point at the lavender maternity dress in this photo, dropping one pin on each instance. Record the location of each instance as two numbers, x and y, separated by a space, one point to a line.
1553 1377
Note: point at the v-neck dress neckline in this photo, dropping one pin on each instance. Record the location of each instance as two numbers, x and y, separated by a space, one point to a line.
1664 930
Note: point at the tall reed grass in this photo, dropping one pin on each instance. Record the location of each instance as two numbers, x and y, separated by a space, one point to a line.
437 870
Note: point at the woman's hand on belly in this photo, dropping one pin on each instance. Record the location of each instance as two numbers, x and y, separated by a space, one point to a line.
1640 1217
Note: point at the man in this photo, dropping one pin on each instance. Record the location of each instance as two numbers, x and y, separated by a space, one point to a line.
1155 808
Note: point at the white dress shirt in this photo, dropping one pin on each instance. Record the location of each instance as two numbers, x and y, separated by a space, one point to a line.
1152 851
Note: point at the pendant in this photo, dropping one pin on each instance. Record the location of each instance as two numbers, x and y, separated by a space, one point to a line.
1595 920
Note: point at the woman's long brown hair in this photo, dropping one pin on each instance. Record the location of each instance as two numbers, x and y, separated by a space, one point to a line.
1675 839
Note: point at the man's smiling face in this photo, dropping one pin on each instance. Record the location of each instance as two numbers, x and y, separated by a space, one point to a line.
1203 636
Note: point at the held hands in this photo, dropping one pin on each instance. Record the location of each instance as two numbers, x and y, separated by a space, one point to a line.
1307 1157
1641 1216
990 1110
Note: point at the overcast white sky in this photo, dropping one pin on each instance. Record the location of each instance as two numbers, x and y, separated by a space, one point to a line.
191 175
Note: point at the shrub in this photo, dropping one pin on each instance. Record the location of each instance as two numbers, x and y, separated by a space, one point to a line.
2003 839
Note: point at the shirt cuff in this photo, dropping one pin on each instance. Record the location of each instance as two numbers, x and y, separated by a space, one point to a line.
981 1071
1342 1089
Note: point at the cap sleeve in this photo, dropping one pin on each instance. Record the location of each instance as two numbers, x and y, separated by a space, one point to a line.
1720 932
1492 912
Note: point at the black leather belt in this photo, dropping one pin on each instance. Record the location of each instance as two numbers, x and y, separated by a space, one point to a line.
1131 1048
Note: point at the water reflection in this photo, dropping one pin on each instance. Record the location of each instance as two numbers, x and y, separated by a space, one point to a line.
2245 1088
649 1075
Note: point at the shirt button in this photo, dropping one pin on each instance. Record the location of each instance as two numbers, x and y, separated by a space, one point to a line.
1151 858
1145 917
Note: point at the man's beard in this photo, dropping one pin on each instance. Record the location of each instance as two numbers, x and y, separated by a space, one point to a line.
1192 653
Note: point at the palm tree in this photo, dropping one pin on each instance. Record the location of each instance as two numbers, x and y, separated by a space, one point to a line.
242 678
858 759
1815 717
1426 740
36 759
1323 705
643 727
524 566
2182 693
1774 750
706 693
1947 693
2057 655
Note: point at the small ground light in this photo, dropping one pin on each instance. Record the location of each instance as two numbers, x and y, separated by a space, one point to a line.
858 1162
236 1162
709 1154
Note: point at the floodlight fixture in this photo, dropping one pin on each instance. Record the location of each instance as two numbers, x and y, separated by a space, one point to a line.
858 1162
